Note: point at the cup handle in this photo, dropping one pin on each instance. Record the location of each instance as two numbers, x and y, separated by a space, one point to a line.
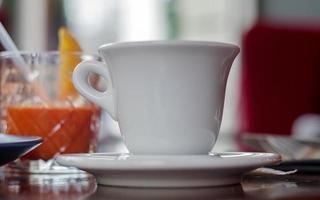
105 99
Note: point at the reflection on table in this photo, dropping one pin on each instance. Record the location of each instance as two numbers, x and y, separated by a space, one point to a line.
83 186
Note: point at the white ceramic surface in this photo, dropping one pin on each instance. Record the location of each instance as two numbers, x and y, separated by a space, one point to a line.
166 95
168 170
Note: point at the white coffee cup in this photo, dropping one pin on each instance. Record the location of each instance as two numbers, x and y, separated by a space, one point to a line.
167 96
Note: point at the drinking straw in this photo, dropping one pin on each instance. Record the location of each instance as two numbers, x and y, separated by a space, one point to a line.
9 45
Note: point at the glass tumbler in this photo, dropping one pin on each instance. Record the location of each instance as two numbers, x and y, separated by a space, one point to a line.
38 99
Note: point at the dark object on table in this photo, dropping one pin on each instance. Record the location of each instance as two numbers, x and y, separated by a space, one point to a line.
297 154
302 166
13 147
288 147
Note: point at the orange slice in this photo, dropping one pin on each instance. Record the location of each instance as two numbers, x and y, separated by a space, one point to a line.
67 43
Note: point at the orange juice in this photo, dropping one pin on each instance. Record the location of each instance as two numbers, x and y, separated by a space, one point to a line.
63 129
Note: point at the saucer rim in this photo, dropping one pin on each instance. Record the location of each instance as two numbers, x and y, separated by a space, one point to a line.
253 159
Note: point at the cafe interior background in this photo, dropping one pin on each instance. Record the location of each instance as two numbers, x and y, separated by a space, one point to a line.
273 82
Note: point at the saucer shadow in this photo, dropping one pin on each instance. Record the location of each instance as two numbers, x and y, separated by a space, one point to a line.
121 193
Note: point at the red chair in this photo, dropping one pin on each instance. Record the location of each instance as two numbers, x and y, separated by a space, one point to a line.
280 77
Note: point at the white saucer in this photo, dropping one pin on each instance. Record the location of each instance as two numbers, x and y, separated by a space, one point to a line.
168 170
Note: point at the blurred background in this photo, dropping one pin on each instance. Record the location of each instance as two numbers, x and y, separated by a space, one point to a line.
274 81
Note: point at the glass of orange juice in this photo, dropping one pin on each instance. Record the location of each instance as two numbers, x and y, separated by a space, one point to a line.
46 106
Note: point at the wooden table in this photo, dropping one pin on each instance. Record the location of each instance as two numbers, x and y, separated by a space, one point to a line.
83 186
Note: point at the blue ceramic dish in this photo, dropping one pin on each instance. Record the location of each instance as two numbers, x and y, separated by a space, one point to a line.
13 147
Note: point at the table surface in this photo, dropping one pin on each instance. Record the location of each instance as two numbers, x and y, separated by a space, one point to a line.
83 186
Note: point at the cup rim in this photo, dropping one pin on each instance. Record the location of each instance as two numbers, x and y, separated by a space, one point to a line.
169 43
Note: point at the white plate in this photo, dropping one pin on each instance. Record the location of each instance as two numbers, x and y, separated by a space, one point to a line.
168 170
